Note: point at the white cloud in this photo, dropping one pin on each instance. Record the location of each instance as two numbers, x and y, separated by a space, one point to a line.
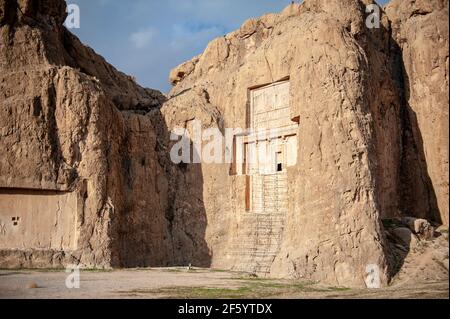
142 38
180 29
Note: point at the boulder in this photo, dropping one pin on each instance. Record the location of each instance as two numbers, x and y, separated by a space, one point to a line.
420 227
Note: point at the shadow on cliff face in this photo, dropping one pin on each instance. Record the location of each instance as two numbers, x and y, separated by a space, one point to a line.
418 196
399 243
166 227
143 210
185 213
187 217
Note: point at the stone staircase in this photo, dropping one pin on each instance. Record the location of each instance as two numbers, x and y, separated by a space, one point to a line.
262 228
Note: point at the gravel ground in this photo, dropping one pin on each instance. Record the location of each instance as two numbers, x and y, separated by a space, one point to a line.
196 283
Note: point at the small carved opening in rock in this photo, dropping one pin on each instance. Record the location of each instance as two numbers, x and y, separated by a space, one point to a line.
37 107
15 221
279 162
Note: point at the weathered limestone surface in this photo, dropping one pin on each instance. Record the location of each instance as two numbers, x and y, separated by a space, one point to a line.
47 219
353 153
420 28
348 108
69 122
366 101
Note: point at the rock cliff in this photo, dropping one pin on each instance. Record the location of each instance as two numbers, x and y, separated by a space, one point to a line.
70 122
372 141
420 30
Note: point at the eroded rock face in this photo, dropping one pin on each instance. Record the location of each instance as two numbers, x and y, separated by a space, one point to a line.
70 122
357 161
420 29
348 106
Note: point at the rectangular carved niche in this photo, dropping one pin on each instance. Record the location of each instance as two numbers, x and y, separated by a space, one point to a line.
38 219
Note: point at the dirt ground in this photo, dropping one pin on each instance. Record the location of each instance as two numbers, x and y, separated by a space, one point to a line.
191 284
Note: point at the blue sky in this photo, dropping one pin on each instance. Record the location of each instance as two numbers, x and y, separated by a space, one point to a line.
147 38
